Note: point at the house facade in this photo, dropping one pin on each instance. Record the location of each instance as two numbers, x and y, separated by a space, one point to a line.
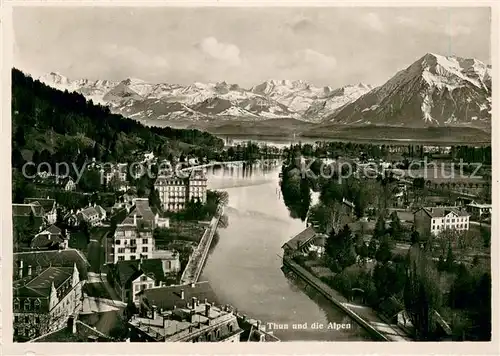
436 220
93 215
478 210
45 303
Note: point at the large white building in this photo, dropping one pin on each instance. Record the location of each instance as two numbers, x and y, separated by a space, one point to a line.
436 220
133 238
175 190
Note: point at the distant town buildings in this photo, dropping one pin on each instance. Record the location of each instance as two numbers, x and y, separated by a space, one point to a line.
176 190
436 220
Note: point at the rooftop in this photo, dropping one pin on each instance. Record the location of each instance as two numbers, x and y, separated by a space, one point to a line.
27 209
47 204
185 323
44 259
169 298
301 238
83 333
55 275
443 211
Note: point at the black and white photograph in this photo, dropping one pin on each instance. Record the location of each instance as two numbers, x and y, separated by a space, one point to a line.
241 174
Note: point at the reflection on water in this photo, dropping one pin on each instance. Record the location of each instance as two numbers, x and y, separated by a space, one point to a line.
244 268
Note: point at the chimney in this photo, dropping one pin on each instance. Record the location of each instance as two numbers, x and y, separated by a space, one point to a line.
135 219
153 312
182 294
207 310
165 322
193 302
72 324
29 270
258 324
21 269
205 300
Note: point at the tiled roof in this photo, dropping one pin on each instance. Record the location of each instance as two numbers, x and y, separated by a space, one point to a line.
168 297
47 240
26 209
301 238
55 275
47 204
91 211
45 259
52 229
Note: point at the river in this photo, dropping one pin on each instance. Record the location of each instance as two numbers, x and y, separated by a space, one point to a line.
244 268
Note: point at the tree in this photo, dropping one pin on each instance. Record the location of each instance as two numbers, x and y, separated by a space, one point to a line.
415 237
395 229
379 229
384 254
372 248
450 260
154 198
422 296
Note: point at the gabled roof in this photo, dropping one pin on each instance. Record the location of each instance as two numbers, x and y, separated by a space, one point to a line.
301 238
47 240
442 212
47 204
168 297
52 229
93 210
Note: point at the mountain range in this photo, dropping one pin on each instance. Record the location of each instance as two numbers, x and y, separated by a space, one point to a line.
433 91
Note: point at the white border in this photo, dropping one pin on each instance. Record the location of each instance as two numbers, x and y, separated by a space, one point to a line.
10 348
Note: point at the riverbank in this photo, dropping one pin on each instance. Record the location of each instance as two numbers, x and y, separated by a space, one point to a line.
198 258
363 315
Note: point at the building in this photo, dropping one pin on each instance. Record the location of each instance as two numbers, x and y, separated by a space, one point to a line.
51 238
74 331
348 206
62 182
115 171
22 213
479 210
93 215
130 277
45 302
49 208
180 316
175 189
435 220
133 238
300 243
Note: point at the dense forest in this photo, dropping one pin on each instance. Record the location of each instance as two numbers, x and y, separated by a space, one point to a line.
62 126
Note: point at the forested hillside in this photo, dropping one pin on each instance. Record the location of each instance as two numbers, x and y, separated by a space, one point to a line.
59 126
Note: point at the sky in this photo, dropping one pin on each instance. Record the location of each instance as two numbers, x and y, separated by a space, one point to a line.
245 46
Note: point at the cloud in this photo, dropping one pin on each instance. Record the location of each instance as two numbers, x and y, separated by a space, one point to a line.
224 52
374 22
302 26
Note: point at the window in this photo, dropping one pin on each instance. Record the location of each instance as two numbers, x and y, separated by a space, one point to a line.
37 304
117 242
121 250
16 319
121 258
145 249
136 287
133 250
16 303
132 242
26 305
132 257
144 241
144 278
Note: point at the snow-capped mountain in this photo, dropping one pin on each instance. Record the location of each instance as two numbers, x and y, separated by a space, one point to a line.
433 91
203 101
